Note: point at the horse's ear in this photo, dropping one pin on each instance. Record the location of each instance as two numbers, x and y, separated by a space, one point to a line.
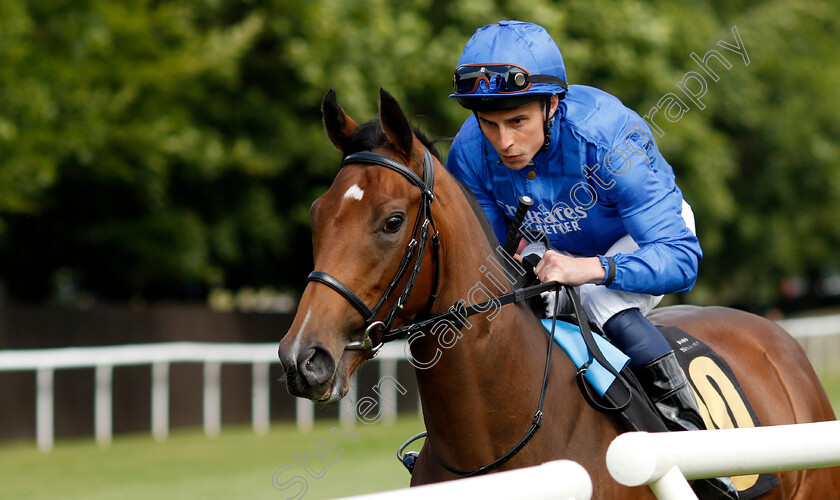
394 123
338 125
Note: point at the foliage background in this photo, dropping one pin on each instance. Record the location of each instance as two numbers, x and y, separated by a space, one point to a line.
160 149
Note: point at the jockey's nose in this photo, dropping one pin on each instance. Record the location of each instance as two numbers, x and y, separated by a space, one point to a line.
506 140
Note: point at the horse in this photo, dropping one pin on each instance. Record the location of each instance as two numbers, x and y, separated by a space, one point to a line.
480 380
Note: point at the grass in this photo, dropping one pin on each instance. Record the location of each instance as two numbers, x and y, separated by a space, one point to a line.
237 464
831 383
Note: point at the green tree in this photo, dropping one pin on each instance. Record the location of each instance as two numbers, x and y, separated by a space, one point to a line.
157 149
130 158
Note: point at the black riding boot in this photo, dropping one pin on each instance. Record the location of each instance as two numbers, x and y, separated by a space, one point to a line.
665 384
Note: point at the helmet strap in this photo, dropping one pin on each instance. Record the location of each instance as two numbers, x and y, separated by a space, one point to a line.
547 124
549 119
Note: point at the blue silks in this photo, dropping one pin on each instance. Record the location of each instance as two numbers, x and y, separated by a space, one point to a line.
601 178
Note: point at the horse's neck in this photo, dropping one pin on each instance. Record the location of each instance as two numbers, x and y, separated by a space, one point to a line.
484 378
481 394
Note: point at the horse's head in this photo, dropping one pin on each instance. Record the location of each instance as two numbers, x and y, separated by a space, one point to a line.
367 237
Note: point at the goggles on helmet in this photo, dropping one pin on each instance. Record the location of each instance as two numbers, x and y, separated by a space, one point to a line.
506 78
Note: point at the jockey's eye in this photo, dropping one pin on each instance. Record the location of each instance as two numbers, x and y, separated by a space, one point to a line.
393 224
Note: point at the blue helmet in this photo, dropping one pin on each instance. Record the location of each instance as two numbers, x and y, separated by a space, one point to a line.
507 65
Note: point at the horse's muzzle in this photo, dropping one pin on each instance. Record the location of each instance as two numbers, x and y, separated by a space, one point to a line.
311 374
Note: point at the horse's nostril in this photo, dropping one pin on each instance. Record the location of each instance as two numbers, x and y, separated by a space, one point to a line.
317 366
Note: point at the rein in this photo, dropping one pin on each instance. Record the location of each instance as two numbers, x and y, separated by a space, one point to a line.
458 312
536 423
415 250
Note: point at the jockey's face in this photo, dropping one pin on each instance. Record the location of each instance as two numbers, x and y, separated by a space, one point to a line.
516 134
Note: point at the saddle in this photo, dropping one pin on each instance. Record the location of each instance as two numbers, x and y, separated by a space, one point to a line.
719 396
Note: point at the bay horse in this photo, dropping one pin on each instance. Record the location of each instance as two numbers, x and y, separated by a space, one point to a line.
481 383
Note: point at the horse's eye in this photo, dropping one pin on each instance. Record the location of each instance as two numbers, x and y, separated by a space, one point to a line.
393 224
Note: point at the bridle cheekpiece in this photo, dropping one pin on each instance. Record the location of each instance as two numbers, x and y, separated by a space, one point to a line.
377 330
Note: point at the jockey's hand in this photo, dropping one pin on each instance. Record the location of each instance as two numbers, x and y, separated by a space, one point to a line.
566 270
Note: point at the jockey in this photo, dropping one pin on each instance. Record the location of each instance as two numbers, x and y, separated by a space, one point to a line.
603 195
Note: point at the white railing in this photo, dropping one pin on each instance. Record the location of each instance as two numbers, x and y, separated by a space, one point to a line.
557 480
819 336
665 461
812 332
160 356
812 326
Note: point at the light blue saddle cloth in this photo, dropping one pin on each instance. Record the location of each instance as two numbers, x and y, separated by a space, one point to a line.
569 337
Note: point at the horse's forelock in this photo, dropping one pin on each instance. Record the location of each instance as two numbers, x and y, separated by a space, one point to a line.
366 137
370 135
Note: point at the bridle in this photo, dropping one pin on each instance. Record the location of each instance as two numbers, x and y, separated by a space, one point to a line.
417 248
376 331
